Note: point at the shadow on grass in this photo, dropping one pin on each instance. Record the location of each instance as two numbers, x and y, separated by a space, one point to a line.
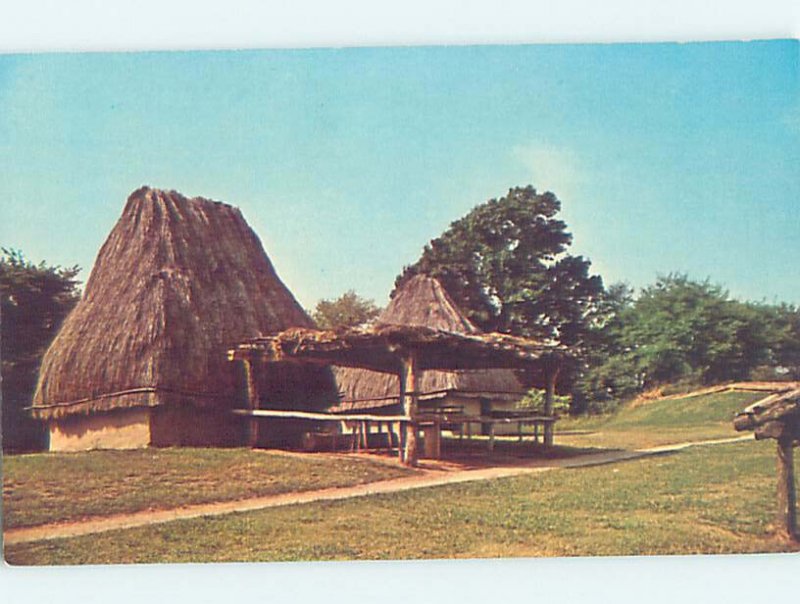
506 451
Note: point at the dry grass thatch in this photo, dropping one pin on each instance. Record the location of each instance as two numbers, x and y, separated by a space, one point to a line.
177 282
382 347
423 301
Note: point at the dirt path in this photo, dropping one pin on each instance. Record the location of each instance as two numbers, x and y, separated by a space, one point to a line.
427 478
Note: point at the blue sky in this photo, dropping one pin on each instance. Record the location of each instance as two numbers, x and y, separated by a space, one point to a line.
667 157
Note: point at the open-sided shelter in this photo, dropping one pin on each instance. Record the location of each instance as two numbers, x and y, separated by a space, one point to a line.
141 360
405 351
422 301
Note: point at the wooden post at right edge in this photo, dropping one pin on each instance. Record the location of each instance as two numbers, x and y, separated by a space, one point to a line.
551 375
787 495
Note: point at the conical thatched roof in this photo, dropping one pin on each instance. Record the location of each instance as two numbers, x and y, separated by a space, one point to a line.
423 301
177 282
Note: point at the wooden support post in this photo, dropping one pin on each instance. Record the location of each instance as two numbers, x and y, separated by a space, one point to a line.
519 430
469 430
431 442
536 432
352 436
551 375
253 402
787 495
388 426
491 436
408 391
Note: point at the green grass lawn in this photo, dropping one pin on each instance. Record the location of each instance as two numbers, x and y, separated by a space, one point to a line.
51 487
714 499
659 422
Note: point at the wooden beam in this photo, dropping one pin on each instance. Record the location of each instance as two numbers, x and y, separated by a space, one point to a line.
401 433
787 495
437 445
778 407
408 391
551 375
773 429
333 417
253 401
430 431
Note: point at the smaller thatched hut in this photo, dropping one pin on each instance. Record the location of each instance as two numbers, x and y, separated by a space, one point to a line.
423 301
141 360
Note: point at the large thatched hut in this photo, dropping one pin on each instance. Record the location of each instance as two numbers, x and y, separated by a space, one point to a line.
423 301
141 359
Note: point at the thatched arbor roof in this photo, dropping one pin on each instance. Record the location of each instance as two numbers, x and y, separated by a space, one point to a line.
177 282
422 301
381 348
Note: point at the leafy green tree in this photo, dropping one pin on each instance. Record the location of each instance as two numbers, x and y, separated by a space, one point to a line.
534 401
349 309
787 345
681 329
608 371
687 332
506 265
34 300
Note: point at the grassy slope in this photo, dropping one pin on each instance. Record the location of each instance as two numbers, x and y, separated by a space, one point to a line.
54 487
660 422
716 499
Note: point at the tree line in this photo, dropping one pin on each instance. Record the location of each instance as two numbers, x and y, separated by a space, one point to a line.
34 300
682 333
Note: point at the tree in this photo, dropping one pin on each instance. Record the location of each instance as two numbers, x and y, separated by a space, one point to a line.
680 328
506 266
607 372
349 309
785 320
534 401
34 300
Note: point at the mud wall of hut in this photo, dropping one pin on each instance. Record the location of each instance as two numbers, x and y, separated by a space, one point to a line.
144 427
192 427
120 429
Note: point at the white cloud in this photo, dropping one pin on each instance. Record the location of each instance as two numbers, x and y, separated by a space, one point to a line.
792 119
551 168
